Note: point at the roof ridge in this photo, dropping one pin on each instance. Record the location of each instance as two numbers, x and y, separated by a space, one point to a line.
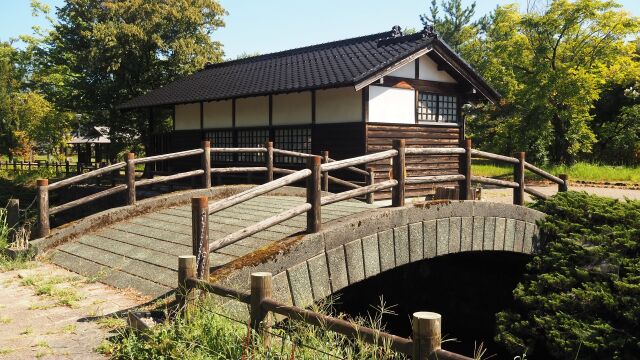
302 49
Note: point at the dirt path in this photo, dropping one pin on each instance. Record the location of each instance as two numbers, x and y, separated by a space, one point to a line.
47 312
506 195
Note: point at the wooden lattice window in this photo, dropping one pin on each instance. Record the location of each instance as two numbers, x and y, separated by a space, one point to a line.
436 108
293 139
252 138
220 139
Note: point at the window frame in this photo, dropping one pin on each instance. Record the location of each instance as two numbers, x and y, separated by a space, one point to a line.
459 121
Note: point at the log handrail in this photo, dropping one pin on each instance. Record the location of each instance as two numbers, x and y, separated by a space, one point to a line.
169 156
352 168
350 194
341 164
492 156
434 151
246 169
345 183
536 170
239 150
86 199
434 179
535 193
161 179
86 176
292 153
491 181
218 290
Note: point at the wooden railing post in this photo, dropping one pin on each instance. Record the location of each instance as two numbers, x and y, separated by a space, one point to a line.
260 290
565 185
206 164
399 173
465 169
314 216
200 235
269 158
130 177
518 176
185 294
13 217
43 208
427 335
371 179
325 175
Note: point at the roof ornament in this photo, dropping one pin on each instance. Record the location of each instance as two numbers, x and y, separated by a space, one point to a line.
396 31
429 31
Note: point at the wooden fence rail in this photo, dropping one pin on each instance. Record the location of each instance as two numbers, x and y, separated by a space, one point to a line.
426 341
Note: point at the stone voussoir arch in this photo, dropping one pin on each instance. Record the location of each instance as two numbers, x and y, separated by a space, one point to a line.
311 267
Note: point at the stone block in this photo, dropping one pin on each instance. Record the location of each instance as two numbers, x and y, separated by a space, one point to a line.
429 229
337 268
478 233
371 255
528 238
518 244
509 235
319 274
387 250
442 247
401 243
455 229
300 285
280 290
466 233
498 239
489 233
355 261
416 242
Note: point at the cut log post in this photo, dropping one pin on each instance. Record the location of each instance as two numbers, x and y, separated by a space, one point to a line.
13 217
465 169
130 175
371 179
427 337
206 164
43 208
314 216
185 294
325 175
200 235
260 318
269 159
518 176
399 173
565 183
66 167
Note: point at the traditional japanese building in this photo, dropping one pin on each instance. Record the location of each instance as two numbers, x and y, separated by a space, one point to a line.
349 97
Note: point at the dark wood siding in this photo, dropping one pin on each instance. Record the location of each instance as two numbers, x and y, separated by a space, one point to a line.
380 136
343 140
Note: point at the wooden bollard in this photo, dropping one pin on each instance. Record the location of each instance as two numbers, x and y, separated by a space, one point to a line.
465 169
130 176
371 179
269 160
399 174
206 164
43 208
185 294
325 175
13 217
200 235
565 185
260 290
314 215
518 176
427 334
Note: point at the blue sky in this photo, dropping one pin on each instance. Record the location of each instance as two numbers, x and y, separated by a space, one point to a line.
273 25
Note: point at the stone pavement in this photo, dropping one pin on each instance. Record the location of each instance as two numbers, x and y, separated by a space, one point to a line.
142 253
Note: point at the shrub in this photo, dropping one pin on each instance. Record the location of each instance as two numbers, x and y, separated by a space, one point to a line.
580 298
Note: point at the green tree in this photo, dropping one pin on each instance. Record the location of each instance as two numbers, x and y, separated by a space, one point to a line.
117 50
551 66
455 27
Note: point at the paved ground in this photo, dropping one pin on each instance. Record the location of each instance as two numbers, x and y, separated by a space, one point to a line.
49 313
506 195
142 252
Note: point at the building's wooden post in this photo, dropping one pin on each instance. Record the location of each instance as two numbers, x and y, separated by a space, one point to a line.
314 216
206 164
43 208
426 335
465 169
399 174
13 217
200 235
130 175
269 159
325 175
371 179
66 167
518 176
260 290
185 294
565 185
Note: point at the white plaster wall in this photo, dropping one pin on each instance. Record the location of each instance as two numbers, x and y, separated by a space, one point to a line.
292 109
188 116
338 105
429 71
252 111
391 105
406 71
218 114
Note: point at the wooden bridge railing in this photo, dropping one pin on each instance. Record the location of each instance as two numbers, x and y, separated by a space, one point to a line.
425 343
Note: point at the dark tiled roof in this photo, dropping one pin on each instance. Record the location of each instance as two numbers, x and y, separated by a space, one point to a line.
329 65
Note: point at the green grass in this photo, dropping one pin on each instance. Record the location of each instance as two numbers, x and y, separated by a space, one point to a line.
60 288
578 172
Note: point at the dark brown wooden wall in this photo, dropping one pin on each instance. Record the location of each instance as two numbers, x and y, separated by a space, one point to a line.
343 140
380 137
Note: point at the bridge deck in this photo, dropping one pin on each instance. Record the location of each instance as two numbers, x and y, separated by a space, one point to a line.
142 252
